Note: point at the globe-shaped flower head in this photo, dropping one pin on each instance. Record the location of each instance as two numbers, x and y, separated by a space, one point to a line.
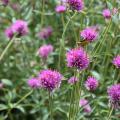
114 95
89 34
45 50
76 4
91 83
73 80
106 13
20 27
77 58
116 61
50 79
60 8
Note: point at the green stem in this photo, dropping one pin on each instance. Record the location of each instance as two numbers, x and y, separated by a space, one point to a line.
24 97
42 15
62 40
7 47
50 106
110 113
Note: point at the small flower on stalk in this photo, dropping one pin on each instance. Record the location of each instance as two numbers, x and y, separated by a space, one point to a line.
106 13
45 50
116 61
91 83
50 79
86 107
76 4
5 2
9 33
77 58
45 33
89 34
60 8
73 80
34 83
114 95
20 27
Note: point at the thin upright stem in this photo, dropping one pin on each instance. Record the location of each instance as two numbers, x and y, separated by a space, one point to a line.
110 113
7 47
62 40
50 106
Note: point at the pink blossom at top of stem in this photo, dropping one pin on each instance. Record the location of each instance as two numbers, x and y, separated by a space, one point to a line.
20 27
45 50
76 4
60 8
73 80
89 34
5 2
91 83
106 13
116 61
34 83
114 95
45 32
77 58
86 107
50 79
9 32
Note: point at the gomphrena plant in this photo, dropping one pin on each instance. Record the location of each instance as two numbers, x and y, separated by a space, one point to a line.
59 60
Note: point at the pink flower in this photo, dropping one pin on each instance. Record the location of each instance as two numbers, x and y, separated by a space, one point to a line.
116 61
45 32
50 79
73 80
89 34
9 32
77 58
106 13
86 107
91 83
60 9
20 27
34 83
45 50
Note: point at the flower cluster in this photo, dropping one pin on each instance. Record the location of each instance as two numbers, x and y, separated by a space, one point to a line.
114 95
45 50
86 107
77 58
19 27
76 4
116 61
45 32
50 79
5 2
89 34
91 83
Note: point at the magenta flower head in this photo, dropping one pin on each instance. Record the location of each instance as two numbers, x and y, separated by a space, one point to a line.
89 34
72 80
45 33
76 4
106 13
91 83
116 61
20 27
86 107
77 58
5 2
45 50
9 33
34 83
114 95
50 79
60 8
